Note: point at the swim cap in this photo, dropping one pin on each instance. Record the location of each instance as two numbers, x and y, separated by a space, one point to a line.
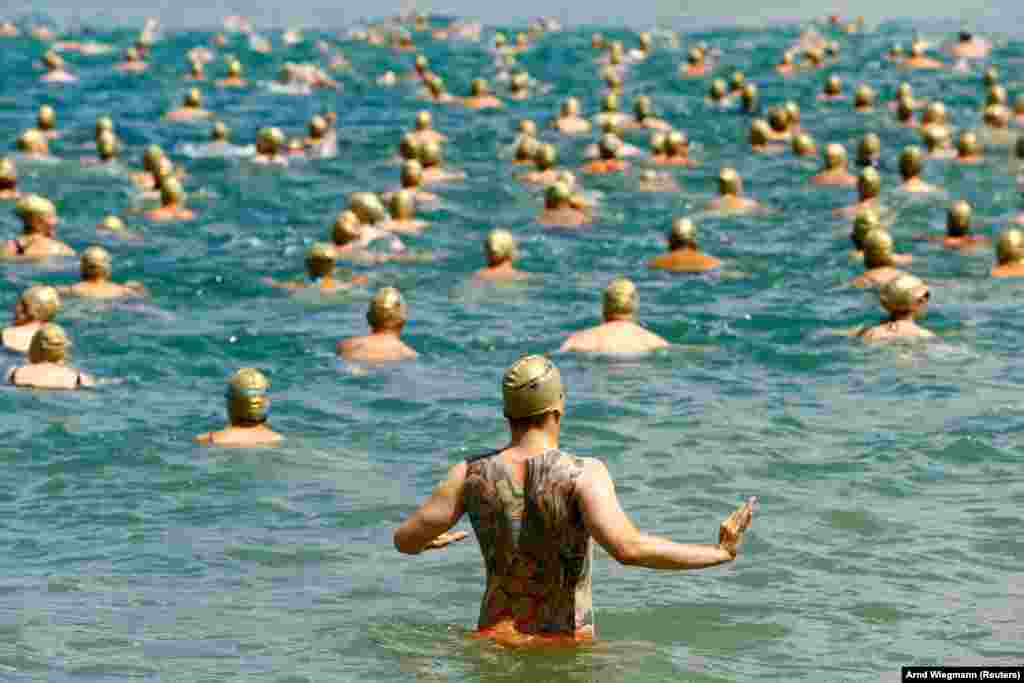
269 140
787 57
40 302
645 40
869 184
403 205
528 127
500 246
1010 247
104 123
683 234
991 76
759 132
499 39
387 309
193 98
996 95
317 127
532 386
31 140
910 162
620 298
520 81
869 148
412 173
779 119
865 221
164 169
900 294
367 207
676 143
878 249
935 112
220 132
917 48
112 223
556 195
430 154
479 87
247 397
997 116
436 85
319 260
642 107
658 142
609 146
545 157
409 147
106 145
610 104
170 191
695 56
863 97
935 138
421 63
729 182
718 90
835 156
47 118
34 205
296 145
346 228
8 171
95 263
50 344
904 90
749 95
967 145
833 85
570 107
803 145
234 68
958 219
151 157
53 60
792 112
737 80
423 120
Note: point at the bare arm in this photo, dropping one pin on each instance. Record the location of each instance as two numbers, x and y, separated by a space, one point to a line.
427 527
611 528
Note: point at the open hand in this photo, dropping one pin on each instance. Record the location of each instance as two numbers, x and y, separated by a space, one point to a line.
731 532
446 539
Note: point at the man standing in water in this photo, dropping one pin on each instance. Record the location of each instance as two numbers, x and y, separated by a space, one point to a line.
535 510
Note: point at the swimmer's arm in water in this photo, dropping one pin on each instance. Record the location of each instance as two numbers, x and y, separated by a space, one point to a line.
427 527
611 528
289 285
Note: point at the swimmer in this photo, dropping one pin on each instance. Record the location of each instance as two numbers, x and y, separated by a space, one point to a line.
195 70
107 146
55 71
402 207
864 99
804 146
37 241
36 306
958 229
8 180
780 125
696 64
545 172
247 407
351 239
387 79
408 147
683 255
412 180
559 210
500 250
220 135
760 138
879 260
832 90
652 181
172 203
47 363
132 63
535 510
115 226
869 187
749 98
46 122
569 121
787 65
718 93
432 161
903 297
610 114
96 282
836 171
644 117
911 167
387 316
8 30
619 333
425 132
609 161
320 262
269 144
191 108
996 94
935 116
905 114
480 96
730 190
519 86
234 79
863 223
918 60
676 150
435 90
32 144
1009 254
937 144
146 179
969 46
968 149
420 69
904 91
869 150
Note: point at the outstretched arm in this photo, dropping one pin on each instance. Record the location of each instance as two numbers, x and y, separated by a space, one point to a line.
427 527
610 527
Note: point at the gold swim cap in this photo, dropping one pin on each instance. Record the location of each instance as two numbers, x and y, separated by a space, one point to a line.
570 107
32 140
409 147
520 81
95 263
610 145
346 228
479 87
528 127
620 299
296 145
50 344
317 126
967 145
430 154
864 97
737 80
803 145
421 62
695 56
833 85
934 113
996 95
864 222
958 219
320 260
904 90
869 184
902 293
676 143
424 120
557 195
47 118
193 98
610 103
235 68
642 107
1010 247
403 205
749 95
997 116
269 140
532 386
869 147
220 132
153 154
910 162
566 177
367 207
729 182
792 112
835 156
247 397
526 148
500 246
760 131
991 76
878 249
545 157
34 205
718 90
41 303
658 142
935 138
683 234
53 60
778 118
8 171
112 223
387 309
164 169
412 173
171 191
106 145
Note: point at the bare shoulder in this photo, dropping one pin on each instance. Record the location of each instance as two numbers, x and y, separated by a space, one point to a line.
205 438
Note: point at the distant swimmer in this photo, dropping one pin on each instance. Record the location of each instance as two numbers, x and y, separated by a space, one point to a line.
730 191
8 180
107 147
780 124
969 46
610 113
431 158
1009 254
804 146
832 91
904 91
904 298
918 60
321 141
115 226
536 511
146 179
39 224
936 117
569 121
836 171
938 144
684 255
545 172
749 99
866 221
46 122
270 147
425 132
519 86
191 108
559 209
905 114
402 210
676 151
32 144
55 70
47 367
8 30
619 333
500 250
435 90
195 70
172 203
958 229
608 162
351 239
643 116
480 96
869 150
696 64
761 138
96 270
36 306
247 405
420 69
654 181
387 316
412 180
320 263
133 62
863 99
911 167
718 93
879 260
235 77
968 149
787 65
869 187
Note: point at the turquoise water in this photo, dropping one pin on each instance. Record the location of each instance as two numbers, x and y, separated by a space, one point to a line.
889 476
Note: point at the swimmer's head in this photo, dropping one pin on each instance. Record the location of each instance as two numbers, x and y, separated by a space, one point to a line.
863 223
904 89
683 234
8 173
112 224
247 398
749 97
570 107
620 300
958 219
53 61
95 263
39 303
935 138
220 132
234 69
868 149
676 143
520 82
269 140
545 157
421 63
878 249
424 121
792 112
430 154
967 144
835 156
151 157
346 228
917 49
869 184
718 90
320 260
736 81
387 310
367 207
778 118
317 127
32 141
760 132
695 56
864 97
642 107
1010 247
409 147
193 98
527 127
50 344
106 145
658 142
903 294
911 162
104 123
996 95
610 104
479 88
499 247
833 86
532 387
47 118
412 174
609 146
403 205
729 182
991 76
934 113
33 209
997 116
803 145
557 196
